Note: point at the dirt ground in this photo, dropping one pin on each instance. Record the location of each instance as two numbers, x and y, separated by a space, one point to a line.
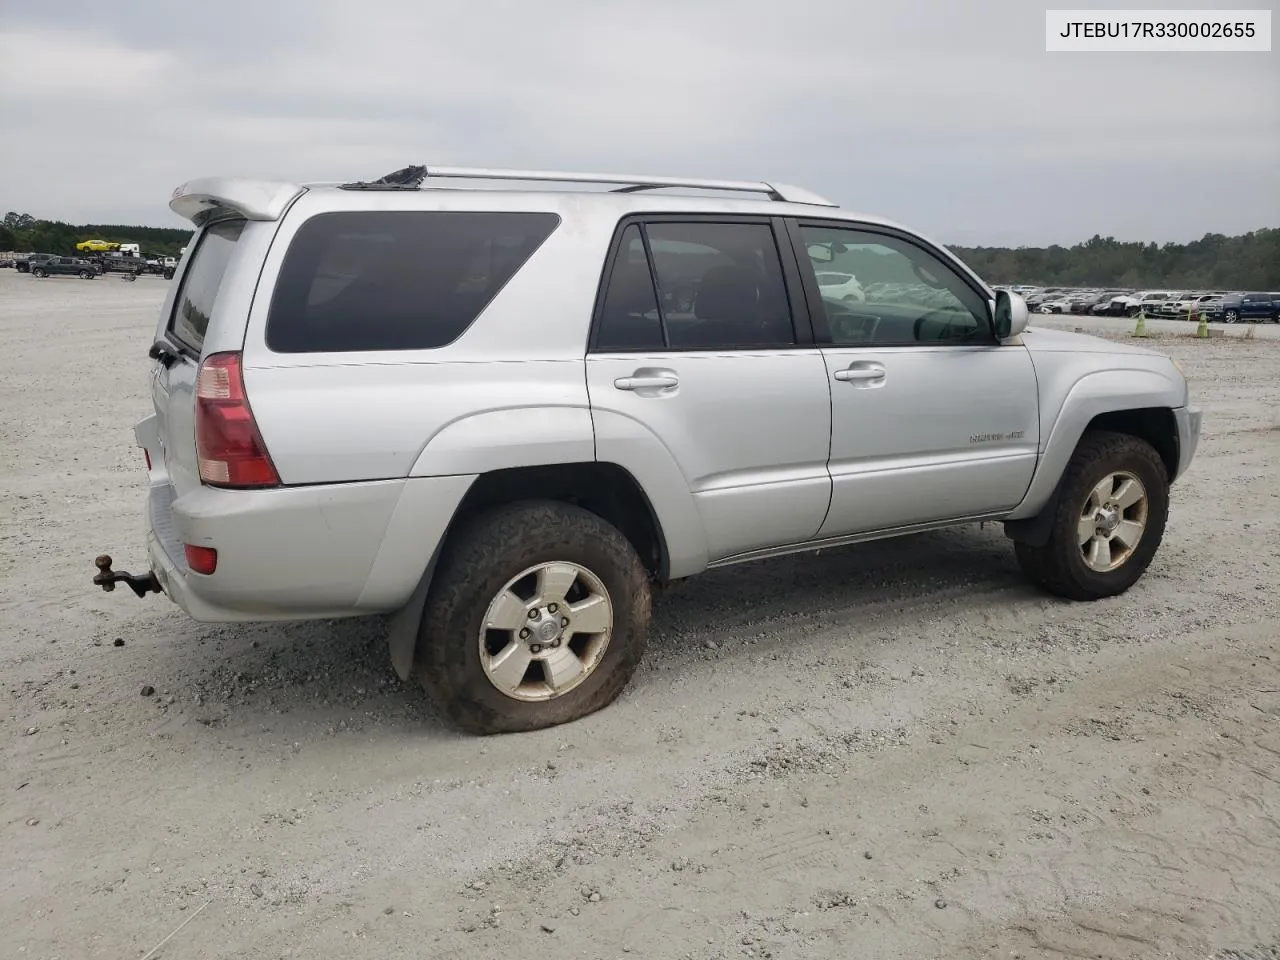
899 750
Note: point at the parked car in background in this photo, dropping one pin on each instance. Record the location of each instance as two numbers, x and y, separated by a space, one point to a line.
1036 300
1149 303
1205 306
1083 300
1117 305
840 286
24 265
1102 302
1055 305
66 267
1168 306
115 263
1247 307
1189 305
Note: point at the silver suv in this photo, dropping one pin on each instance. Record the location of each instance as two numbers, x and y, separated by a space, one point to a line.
504 409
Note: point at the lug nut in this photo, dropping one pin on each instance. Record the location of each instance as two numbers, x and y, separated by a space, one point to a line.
552 608
524 633
535 648
533 614
564 621
556 643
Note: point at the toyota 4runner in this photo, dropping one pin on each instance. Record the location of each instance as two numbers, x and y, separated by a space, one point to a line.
504 413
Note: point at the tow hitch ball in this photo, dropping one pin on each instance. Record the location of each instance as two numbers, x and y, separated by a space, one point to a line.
107 578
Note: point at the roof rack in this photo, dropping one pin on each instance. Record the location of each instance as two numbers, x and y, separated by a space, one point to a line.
412 177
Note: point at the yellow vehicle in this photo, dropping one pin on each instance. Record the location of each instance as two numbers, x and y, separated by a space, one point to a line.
97 246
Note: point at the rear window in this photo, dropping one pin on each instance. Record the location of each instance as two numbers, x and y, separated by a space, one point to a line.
396 280
200 286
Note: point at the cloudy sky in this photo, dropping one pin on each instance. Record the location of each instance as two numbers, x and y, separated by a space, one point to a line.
947 116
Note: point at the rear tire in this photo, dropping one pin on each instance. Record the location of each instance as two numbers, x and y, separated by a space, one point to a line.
515 551
86 275
39 272
1070 565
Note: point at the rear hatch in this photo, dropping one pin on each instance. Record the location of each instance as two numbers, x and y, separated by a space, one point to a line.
180 344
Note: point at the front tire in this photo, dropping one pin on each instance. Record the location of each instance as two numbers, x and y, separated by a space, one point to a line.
39 272
1108 522
1231 316
538 615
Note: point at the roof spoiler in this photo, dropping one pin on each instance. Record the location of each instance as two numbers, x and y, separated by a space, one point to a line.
201 200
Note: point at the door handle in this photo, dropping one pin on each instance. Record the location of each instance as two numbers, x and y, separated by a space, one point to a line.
860 373
646 383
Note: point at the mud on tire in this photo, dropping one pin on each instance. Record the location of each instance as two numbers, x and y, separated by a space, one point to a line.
1060 565
478 561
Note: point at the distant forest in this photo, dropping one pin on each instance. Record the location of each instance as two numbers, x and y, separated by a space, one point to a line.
1214 262
1248 262
23 233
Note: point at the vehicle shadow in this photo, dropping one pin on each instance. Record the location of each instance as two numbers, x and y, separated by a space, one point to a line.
885 574
336 675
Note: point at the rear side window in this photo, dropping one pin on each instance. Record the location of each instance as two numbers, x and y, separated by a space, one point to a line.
630 319
709 286
200 285
396 280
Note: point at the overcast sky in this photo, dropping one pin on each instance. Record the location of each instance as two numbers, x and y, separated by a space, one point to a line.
947 116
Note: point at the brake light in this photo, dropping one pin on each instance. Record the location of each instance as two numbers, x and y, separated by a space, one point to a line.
229 448
201 559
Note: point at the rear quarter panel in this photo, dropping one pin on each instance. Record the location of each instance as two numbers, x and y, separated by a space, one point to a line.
513 380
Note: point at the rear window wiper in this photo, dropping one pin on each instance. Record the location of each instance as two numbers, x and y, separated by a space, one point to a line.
169 353
162 351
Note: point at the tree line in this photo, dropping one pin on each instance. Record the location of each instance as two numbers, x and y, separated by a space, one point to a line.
23 233
1247 262
1214 262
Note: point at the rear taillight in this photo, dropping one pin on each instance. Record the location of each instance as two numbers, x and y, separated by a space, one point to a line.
229 447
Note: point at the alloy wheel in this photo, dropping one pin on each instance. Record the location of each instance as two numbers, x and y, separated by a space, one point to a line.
546 631
1112 521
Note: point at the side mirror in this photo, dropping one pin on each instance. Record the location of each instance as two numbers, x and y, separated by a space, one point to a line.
1010 316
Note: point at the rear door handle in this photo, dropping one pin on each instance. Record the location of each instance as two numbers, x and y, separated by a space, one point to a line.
860 373
646 383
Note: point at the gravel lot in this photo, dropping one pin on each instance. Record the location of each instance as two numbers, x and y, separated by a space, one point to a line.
895 751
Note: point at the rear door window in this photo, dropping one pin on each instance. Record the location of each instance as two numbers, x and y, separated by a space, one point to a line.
199 291
710 286
722 286
396 280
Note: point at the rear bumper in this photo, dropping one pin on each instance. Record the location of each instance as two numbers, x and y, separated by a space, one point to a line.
1188 420
297 553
